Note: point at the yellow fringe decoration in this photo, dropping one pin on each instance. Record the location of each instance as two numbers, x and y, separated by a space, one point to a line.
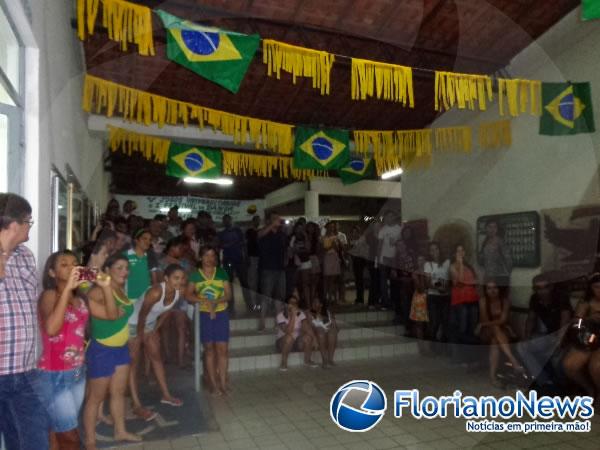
87 11
385 81
462 90
403 142
518 94
245 164
454 139
494 135
151 147
102 96
366 141
391 149
126 22
234 163
299 61
408 148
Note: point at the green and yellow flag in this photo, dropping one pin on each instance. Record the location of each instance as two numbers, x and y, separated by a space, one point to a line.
190 161
567 109
220 56
321 149
357 169
590 9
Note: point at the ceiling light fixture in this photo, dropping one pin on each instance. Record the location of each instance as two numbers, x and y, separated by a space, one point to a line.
391 173
219 181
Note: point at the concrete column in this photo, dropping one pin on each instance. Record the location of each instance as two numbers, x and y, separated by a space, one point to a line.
311 204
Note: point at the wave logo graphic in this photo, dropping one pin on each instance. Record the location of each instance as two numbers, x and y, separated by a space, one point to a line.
358 406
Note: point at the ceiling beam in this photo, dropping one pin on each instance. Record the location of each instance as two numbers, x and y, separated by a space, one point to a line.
212 13
363 188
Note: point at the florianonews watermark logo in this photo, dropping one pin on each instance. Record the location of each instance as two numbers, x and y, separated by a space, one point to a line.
358 406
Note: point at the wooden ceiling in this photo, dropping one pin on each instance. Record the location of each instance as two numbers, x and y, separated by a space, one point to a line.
474 36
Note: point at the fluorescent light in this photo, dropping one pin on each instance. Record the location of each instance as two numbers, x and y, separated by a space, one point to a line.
392 173
181 210
221 181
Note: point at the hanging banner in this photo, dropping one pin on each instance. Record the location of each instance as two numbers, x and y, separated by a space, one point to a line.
567 109
321 149
193 161
220 56
239 210
299 61
357 169
590 9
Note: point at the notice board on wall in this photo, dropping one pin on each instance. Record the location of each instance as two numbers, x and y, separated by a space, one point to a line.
520 232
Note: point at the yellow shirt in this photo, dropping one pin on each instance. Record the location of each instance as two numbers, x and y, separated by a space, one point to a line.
211 288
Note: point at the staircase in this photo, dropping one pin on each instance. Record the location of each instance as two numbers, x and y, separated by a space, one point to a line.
363 335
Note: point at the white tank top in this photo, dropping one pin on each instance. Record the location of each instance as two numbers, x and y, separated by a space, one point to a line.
157 309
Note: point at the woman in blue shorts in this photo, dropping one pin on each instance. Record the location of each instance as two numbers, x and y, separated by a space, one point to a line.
107 354
209 286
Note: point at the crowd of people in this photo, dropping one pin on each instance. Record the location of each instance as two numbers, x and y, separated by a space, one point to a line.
129 296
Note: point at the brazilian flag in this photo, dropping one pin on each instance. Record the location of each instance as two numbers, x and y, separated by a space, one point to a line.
567 109
190 161
590 9
356 170
220 56
321 149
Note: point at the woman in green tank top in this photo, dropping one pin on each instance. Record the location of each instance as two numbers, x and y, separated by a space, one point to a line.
107 355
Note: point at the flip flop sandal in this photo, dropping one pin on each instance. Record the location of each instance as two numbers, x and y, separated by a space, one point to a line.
147 415
175 402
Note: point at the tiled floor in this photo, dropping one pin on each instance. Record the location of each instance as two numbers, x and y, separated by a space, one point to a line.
273 410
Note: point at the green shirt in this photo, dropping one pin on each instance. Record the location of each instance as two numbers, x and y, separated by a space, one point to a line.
113 333
139 279
211 288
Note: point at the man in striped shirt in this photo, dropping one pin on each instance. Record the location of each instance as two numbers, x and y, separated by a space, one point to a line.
23 419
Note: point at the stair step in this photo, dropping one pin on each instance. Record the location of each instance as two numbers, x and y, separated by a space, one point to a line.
251 323
347 332
266 357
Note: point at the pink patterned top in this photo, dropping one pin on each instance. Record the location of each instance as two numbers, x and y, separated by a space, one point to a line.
65 351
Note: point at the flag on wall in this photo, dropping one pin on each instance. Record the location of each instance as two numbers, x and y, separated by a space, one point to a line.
190 161
321 149
220 56
590 9
357 169
567 109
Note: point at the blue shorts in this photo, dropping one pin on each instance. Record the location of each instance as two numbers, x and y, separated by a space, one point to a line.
62 394
102 360
214 330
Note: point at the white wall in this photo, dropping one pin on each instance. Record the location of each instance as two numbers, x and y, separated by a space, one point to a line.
537 172
63 134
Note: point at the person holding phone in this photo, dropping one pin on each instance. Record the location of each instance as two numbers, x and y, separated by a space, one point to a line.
272 251
294 334
63 318
107 354
210 287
